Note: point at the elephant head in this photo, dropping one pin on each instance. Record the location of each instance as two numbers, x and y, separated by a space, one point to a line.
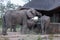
34 12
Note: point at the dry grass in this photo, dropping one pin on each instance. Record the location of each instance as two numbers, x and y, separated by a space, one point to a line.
18 36
4 38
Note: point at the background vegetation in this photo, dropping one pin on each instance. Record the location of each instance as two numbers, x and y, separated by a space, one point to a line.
8 6
4 8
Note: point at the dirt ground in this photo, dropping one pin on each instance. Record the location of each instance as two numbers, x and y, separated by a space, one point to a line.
19 36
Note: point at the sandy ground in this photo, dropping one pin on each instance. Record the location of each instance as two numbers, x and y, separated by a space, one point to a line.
18 36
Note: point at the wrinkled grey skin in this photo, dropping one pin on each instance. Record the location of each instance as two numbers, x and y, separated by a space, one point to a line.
45 22
13 17
30 14
31 23
34 12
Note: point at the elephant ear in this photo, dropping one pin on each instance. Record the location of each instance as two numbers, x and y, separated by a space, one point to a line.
29 14
33 11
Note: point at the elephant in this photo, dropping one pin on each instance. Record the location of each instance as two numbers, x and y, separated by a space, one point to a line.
31 22
30 15
13 17
45 22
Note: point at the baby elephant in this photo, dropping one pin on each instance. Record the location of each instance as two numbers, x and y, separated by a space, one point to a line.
45 22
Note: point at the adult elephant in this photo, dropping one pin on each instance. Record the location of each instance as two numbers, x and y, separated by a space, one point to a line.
45 22
31 21
31 14
13 17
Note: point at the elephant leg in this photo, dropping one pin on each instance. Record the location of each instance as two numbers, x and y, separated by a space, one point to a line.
42 27
14 28
4 30
24 25
45 29
24 30
46 26
21 30
20 27
11 29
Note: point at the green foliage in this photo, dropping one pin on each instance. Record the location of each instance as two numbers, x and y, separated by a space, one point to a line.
2 7
10 5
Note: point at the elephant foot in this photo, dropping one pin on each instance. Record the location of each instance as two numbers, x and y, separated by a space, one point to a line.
4 34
